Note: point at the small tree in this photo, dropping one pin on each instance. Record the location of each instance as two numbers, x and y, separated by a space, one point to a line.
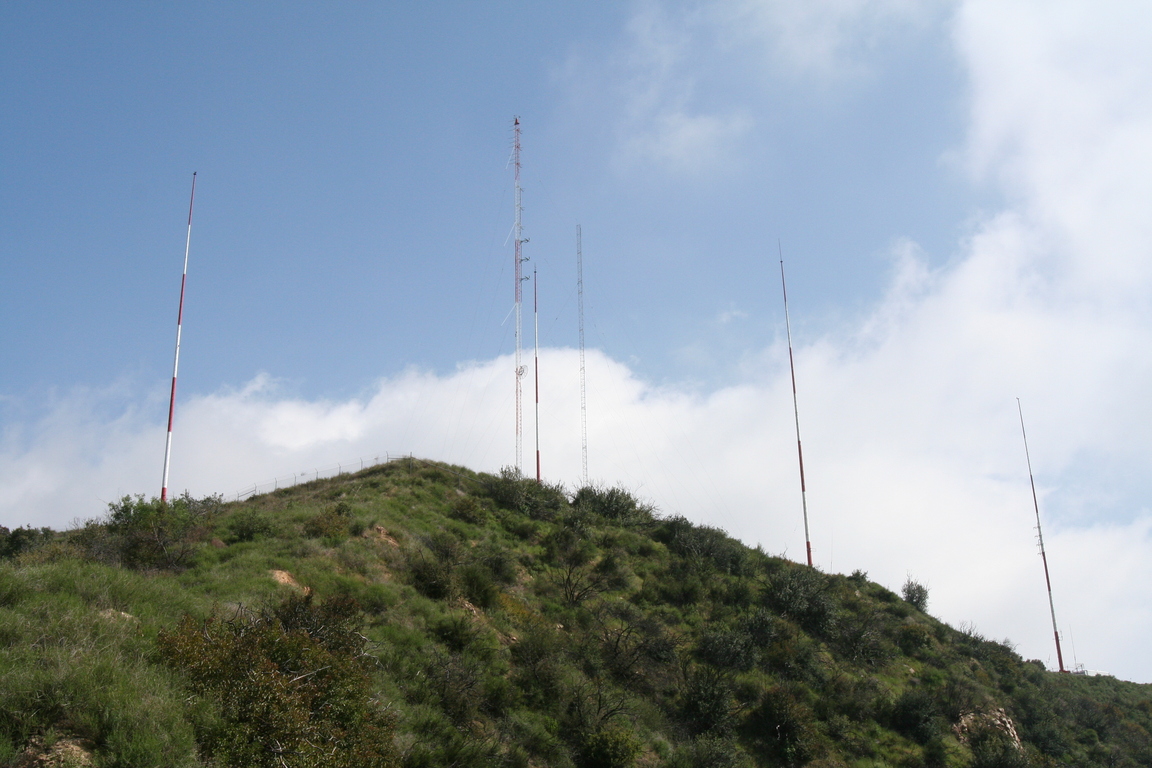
916 594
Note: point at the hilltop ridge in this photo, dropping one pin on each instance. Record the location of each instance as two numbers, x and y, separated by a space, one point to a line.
421 614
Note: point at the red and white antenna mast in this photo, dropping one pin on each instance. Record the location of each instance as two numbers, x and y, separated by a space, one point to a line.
176 362
519 251
536 361
583 401
796 411
1040 538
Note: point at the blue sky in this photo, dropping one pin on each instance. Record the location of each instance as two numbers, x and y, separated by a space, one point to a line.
960 190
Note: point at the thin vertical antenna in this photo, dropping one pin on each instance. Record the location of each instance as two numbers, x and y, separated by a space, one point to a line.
536 361
519 295
176 362
583 401
1040 538
795 409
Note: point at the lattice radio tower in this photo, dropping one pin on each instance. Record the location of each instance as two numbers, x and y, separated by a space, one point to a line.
519 272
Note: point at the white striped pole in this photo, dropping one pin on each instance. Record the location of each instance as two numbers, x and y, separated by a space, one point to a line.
795 410
1040 537
176 362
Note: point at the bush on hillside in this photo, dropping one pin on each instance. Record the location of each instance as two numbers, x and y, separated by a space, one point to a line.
512 491
22 539
915 594
291 684
803 595
139 533
704 547
614 504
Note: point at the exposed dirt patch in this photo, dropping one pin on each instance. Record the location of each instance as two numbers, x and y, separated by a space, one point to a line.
65 753
380 533
285 578
114 615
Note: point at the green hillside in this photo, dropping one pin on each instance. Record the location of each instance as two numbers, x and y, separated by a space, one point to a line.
418 614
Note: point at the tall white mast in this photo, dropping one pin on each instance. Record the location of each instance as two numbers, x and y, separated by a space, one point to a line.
583 402
519 276
796 411
176 361
1040 537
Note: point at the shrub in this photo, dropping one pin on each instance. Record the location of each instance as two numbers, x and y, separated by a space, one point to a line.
710 752
610 747
915 594
706 702
783 726
913 638
615 504
702 546
14 542
290 683
511 490
916 715
433 566
860 638
802 594
468 510
727 650
332 523
993 748
248 525
156 534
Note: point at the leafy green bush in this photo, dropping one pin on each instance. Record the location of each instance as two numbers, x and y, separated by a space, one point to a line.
703 546
915 594
154 533
710 752
727 650
916 714
706 702
783 726
614 504
511 490
467 509
248 525
332 523
291 685
611 747
21 539
803 595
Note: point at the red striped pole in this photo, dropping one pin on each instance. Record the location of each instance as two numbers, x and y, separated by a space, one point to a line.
176 362
1040 537
796 410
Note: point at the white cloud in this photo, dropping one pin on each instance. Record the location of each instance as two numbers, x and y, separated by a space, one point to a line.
651 85
822 40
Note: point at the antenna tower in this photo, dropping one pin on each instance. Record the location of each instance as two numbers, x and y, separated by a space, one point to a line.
796 410
519 251
583 401
536 361
1040 538
176 362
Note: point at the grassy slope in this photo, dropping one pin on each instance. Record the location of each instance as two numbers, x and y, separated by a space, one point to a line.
511 627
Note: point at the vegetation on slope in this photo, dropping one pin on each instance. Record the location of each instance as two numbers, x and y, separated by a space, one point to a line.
418 614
